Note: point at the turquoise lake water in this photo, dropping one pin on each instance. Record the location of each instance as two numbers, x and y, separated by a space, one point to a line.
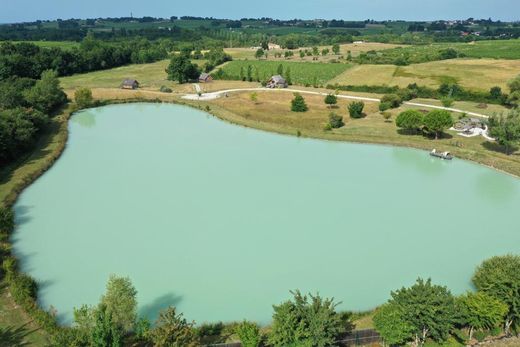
223 221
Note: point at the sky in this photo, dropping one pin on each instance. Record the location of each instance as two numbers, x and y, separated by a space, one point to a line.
29 10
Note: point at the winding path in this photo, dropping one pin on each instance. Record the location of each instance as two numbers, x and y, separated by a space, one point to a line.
220 93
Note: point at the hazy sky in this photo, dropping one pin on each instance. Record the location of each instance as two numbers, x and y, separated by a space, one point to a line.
28 10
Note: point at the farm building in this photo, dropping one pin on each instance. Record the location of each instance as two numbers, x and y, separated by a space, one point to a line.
277 81
130 84
273 46
205 78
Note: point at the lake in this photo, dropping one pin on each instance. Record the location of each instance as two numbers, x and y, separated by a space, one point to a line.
223 221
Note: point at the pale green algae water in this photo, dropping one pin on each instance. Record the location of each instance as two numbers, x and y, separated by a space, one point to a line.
222 221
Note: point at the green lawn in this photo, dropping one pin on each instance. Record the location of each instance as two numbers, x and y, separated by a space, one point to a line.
301 72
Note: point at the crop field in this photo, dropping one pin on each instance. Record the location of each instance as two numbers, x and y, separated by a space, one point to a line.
478 74
496 49
303 73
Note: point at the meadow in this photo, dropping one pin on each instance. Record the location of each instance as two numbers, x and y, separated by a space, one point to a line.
303 73
53 44
477 74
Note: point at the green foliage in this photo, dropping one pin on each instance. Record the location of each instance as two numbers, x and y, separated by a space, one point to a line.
331 100
105 333
410 120
436 121
120 301
181 69
335 120
304 322
46 95
429 309
383 106
254 97
514 84
6 220
386 116
298 103
496 93
172 330
499 277
391 323
355 109
142 328
505 128
165 89
481 311
23 289
336 49
249 334
447 102
83 98
393 100
288 77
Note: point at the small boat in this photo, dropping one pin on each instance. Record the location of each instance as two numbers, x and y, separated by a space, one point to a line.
442 155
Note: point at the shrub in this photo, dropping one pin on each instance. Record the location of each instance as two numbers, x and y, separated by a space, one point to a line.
165 89
393 100
24 289
249 334
331 100
83 98
6 220
383 106
355 109
411 120
386 116
335 120
298 104
447 102
327 127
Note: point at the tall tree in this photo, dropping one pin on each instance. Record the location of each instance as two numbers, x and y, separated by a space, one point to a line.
120 301
411 120
429 308
499 277
105 333
181 69
480 311
390 322
331 100
298 103
437 121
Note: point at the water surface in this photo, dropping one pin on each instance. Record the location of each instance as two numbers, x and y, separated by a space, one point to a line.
222 221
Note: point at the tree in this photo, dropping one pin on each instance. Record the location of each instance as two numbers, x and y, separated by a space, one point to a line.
181 69
172 330
390 322
249 334
393 100
46 95
480 311
437 121
315 51
355 109
259 53
496 92
83 98
105 332
249 73
429 309
325 51
506 129
254 97
335 120
336 49
265 45
298 103
410 120
306 321
302 54
331 100
288 77
499 277
120 301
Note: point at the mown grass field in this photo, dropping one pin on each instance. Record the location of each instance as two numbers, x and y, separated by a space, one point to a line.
478 74
302 73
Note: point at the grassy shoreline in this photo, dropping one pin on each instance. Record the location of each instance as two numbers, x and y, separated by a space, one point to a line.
15 178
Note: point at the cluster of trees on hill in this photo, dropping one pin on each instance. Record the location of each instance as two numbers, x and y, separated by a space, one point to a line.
25 108
29 60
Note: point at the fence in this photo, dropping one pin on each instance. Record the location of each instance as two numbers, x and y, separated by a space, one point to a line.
355 338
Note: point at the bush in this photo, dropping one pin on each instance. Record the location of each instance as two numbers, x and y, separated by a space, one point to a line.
83 98
335 120
6 220
383 106
249 334
355 109
393 100
411 120
24 289
386 116
447 102
298 104
165 89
